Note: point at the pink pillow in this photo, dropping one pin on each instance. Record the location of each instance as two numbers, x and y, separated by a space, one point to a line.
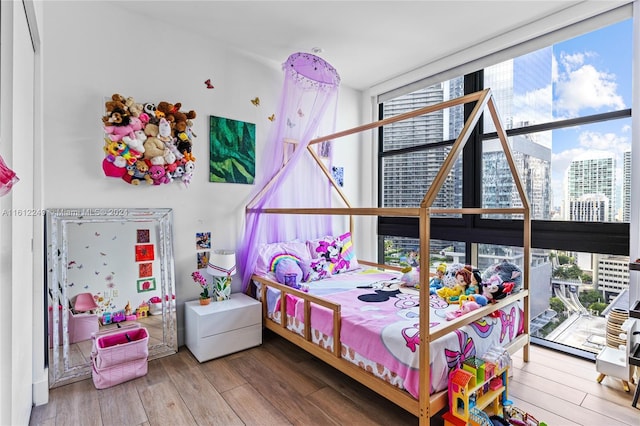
338 252
270 254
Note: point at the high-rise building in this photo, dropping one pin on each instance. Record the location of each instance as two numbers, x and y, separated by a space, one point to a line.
626 187
612 275
589 208
594 178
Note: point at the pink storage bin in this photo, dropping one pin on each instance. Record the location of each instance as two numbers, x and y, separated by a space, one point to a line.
119 373
120 347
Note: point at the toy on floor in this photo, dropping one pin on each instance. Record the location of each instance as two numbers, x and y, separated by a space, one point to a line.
478 390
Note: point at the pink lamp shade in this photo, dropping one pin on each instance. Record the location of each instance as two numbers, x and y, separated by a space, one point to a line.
84 302
222 263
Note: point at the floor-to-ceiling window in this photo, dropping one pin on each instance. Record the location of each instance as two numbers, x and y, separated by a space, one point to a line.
566 108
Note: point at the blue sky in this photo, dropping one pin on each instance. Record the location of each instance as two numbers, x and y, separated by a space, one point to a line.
592 74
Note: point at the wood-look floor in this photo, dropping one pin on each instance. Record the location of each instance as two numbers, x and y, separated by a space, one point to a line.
279 384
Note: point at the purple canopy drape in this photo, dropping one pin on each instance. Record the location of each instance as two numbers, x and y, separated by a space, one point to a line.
307 110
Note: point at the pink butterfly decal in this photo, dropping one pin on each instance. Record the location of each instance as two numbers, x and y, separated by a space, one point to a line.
467 350
507 321
521 322
412 336
208 84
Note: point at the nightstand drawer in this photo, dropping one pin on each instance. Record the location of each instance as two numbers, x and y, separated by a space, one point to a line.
227 343
224 327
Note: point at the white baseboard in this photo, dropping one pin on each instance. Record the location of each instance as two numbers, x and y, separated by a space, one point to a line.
41 390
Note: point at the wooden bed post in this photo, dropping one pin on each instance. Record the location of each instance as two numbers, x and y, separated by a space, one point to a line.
425 373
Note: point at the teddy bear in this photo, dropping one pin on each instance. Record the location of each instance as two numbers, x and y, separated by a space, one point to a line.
154 150
181 120
138 172
135 109
158 174
168 109
117 102
116 117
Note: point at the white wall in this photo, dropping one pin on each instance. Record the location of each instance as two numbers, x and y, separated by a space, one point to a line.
92 50
18 301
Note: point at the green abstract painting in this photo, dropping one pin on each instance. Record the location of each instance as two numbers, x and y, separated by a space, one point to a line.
232 151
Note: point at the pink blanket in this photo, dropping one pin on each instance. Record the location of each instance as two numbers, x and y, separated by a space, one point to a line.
382 325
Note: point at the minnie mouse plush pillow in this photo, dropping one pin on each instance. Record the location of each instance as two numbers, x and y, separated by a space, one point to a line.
338 253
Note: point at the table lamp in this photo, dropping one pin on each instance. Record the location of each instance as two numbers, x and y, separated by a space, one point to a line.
222 265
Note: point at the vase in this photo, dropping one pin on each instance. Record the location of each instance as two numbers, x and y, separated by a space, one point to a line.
204 301
223 288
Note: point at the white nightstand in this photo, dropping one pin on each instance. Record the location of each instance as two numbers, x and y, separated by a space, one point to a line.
222 328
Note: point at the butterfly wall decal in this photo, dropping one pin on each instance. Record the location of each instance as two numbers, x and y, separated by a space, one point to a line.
272 117
290 123
300 113
208 84
255 101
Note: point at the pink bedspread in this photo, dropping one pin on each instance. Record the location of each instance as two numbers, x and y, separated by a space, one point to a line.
382 325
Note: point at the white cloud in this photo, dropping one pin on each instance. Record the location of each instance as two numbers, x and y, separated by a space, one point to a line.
580 86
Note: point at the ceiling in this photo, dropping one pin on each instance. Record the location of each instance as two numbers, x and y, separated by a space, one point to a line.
368 42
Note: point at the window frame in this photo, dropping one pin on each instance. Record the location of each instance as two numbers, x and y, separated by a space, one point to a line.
595 237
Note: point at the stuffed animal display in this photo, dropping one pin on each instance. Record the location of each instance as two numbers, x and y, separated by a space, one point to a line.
148 143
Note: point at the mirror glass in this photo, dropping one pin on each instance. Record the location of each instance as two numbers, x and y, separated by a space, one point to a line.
106 269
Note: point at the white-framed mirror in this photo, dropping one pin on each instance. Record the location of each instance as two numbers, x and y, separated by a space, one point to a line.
107 268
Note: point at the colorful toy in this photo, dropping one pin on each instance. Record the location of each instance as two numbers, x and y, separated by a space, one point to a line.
468 397
410 277
143 310
118 316
474 285
435 283
495 289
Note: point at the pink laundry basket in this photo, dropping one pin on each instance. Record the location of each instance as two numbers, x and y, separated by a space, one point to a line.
119 356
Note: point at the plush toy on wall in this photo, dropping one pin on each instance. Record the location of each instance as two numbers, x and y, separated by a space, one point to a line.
147 141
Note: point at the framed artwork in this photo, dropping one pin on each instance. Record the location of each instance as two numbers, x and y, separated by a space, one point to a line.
145 270
144 252
203 259
147 284
203 240
338 175
232 151
142 236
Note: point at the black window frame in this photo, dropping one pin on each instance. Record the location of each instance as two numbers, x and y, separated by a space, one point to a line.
593 237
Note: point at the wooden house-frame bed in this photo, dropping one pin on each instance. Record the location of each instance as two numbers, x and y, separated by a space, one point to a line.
428 404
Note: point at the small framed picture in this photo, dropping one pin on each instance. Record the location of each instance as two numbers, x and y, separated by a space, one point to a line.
147 284
144 253
142 236
203 259
203 240
145 270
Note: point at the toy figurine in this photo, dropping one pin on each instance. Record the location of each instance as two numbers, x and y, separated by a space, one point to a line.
474 285
435 283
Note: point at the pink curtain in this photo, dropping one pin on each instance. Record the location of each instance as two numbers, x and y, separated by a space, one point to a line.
307 110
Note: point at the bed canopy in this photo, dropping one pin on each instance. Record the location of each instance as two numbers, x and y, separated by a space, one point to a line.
307 109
